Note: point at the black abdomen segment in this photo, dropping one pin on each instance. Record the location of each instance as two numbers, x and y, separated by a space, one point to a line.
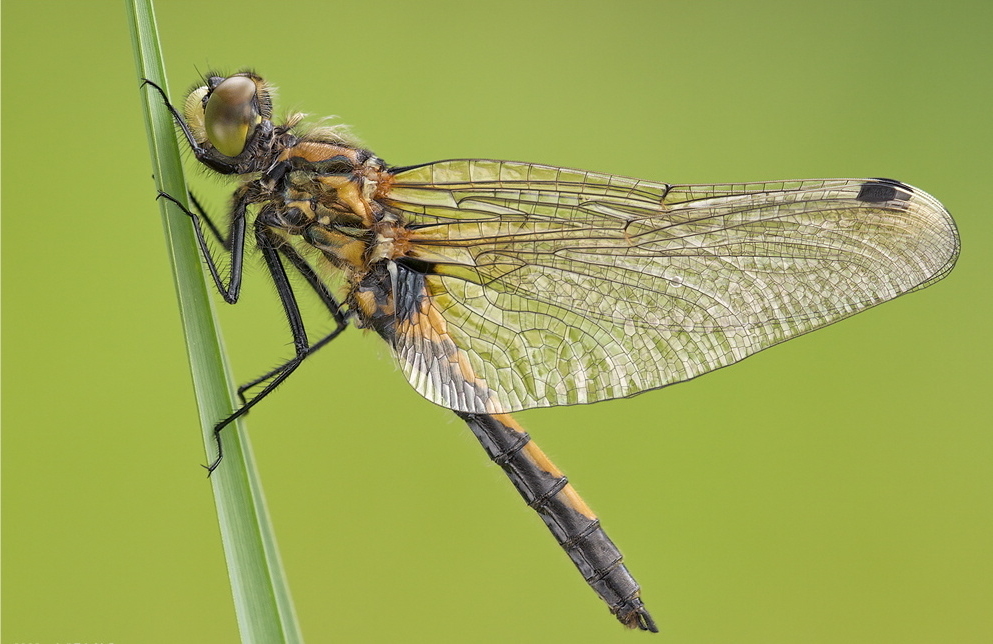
570 520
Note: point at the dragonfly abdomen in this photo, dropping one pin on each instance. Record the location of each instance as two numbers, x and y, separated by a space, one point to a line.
574 525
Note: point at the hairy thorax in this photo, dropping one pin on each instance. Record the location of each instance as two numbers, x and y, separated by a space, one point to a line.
328 195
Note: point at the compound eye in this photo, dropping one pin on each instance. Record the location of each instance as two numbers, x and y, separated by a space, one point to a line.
231 115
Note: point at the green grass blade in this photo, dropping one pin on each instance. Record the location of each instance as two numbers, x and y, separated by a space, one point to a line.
261 597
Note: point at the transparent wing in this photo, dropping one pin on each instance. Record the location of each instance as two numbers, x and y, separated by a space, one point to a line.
548 286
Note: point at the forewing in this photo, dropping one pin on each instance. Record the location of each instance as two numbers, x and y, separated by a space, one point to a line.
548 286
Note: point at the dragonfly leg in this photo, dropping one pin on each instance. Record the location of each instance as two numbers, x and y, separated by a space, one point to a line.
567 516
207 219
197 149
327 298
269 245
235 243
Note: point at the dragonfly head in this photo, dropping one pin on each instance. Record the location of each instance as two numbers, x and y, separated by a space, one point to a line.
228 113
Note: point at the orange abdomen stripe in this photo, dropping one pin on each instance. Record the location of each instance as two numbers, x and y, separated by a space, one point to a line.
567 516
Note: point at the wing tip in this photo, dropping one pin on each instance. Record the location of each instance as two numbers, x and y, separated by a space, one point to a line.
880 189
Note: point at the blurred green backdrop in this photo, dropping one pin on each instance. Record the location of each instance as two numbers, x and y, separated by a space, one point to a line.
834 489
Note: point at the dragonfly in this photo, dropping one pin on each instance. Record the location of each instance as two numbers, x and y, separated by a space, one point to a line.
503 286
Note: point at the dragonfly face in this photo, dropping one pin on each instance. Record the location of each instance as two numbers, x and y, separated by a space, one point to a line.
504 286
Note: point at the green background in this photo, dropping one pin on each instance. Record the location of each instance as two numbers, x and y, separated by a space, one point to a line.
834 489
